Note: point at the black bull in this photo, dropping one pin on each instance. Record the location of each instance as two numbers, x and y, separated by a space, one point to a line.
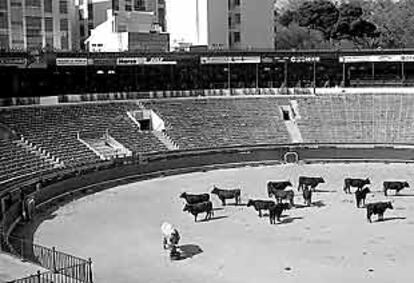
358 183
311 182
227 194
273 187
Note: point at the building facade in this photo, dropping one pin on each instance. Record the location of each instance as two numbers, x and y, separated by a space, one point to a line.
38 24
222 24
126 25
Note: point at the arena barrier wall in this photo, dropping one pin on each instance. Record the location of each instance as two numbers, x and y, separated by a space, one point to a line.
70 184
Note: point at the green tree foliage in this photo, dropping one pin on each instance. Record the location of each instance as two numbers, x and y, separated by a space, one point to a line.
321 15
395 21
338 23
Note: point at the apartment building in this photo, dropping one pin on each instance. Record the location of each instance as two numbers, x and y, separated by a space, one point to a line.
38 24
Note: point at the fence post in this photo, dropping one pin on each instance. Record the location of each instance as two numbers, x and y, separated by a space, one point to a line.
21 248
54 259
90 270
38 276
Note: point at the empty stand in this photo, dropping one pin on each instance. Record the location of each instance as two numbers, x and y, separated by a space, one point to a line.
215 122
56 129
365 118
15 161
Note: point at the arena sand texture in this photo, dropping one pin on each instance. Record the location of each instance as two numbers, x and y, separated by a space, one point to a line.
328 242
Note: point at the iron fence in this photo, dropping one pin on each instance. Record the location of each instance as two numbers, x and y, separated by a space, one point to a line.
62 267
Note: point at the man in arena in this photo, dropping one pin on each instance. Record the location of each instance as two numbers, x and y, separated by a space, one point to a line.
171 237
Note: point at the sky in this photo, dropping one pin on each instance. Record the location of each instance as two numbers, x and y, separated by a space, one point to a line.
181 19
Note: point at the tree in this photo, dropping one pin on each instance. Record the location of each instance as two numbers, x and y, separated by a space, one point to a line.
321 15
352 26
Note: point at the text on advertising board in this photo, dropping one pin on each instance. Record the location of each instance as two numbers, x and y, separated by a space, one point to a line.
377 58
71 61
144 61
230 60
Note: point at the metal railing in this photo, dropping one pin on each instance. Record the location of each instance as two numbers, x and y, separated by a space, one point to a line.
62 267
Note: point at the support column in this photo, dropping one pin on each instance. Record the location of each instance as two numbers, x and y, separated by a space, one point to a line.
229 77
373 71
286 74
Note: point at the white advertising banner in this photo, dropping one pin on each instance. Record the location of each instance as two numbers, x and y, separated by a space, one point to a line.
230 60
377 58
71 61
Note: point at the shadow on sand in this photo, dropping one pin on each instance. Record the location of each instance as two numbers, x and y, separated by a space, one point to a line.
218 208
324 191
390 219
400 195
318 203
288 220
188 251
213 218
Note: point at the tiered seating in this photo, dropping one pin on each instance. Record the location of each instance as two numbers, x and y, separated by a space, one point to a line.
16 161
206 123
357 118
55 129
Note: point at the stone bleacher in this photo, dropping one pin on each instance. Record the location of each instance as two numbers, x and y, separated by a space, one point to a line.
215 122
365 118
16 161
200 123
55 129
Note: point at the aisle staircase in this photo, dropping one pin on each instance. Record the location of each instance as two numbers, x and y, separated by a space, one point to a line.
166 140
41 153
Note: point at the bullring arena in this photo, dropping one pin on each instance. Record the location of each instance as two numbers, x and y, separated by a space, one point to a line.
112 172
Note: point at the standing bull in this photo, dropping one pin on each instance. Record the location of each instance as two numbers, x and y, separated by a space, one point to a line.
311 182
358 183
227 194
361 195
260 205
195 198
397 186
275 211
288 195
198 208
307 196
378 208
272 187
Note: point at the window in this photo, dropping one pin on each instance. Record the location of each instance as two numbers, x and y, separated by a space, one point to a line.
49 24
64 25
237 19
128 5
115 5
63 6
4 41
236 37
49 41
236 2
139 5
48 6
4 20
33 3
64 42
3 4
16 3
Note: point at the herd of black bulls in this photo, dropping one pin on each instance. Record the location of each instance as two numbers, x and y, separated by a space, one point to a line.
200 203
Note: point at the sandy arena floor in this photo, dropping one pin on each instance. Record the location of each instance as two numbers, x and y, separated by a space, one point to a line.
329 242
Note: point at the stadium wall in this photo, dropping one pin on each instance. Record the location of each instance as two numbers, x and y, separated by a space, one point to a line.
71 184
121 96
